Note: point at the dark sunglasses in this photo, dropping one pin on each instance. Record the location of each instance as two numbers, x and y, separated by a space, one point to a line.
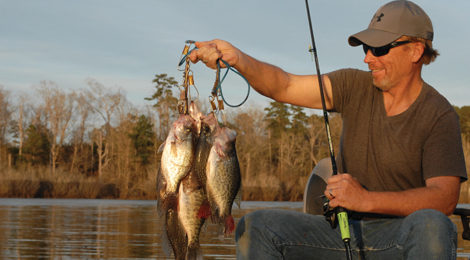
381 51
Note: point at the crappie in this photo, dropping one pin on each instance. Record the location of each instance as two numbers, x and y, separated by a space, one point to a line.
191 206
173 236
223 177
178 154
209 125
176 235
196 114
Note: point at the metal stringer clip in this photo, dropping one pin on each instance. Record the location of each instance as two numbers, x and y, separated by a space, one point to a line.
216 101
183 102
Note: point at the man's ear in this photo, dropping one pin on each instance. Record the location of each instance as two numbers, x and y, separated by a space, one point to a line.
418 50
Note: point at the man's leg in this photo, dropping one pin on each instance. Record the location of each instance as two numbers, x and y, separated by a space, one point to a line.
428 234
284 234
425 234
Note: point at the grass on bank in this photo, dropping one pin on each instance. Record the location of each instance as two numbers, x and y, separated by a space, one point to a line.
41 183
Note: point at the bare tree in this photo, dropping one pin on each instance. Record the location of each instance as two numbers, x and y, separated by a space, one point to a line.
22 118
82 113
5 115
57 108
104 103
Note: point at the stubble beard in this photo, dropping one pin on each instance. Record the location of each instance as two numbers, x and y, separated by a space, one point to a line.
383 84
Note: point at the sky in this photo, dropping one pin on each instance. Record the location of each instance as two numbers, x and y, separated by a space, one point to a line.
123 44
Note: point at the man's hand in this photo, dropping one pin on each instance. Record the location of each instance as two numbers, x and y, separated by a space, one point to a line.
345 191
210 51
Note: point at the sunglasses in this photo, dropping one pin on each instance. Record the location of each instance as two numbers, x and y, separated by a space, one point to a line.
381 51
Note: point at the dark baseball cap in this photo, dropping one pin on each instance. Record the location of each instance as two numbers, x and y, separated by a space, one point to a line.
393 20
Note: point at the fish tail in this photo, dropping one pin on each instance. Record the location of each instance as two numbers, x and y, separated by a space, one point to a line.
229 225
193 253
215 218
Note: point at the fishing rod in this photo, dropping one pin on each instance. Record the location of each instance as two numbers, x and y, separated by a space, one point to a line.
340 212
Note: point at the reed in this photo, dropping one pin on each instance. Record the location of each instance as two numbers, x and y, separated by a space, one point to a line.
39 182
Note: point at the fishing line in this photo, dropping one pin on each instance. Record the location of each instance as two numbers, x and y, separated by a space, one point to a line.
340 212
219 86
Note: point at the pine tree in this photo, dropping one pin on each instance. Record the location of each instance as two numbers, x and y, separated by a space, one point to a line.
142 137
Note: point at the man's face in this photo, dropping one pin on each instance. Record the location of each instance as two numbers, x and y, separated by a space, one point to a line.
388 70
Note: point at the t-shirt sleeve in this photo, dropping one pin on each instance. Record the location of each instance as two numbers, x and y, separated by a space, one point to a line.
442 151
348 87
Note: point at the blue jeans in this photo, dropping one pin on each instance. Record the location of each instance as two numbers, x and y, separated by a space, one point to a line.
283 234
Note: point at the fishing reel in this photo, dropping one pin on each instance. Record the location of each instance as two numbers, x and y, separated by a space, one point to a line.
329 213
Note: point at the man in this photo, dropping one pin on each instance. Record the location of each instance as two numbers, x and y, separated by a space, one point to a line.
400 153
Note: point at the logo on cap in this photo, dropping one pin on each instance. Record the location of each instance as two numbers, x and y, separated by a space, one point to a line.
379 17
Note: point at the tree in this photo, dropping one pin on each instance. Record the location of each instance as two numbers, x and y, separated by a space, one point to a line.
165 102
278 123
57 108
464 116
299 119
21 122
104 103
278 117
36 145
83 111
142 137
5 115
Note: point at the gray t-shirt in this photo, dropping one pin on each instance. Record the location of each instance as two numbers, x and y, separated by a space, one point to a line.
393 153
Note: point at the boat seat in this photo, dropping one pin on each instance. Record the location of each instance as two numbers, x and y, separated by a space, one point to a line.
464 212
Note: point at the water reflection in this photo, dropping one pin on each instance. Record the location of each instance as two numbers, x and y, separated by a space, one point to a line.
48 228
56 228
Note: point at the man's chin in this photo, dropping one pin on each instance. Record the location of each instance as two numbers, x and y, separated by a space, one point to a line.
381 85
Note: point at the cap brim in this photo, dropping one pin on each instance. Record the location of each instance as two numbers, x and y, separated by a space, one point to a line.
372 37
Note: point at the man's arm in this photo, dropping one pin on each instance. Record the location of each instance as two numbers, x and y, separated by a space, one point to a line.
441 193
267 79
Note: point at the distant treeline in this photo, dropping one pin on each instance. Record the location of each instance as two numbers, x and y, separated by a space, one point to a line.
93 143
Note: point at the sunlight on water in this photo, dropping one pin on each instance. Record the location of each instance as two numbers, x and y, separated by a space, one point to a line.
48 228
76 228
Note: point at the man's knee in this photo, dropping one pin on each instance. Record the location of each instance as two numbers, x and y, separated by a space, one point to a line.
429 221
252 236
250 222
431 229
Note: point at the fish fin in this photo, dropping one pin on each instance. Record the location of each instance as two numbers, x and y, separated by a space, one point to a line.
161 187
165 244
229 225
193 253
160 148
165 240
170 202
238 199
219 150
204 211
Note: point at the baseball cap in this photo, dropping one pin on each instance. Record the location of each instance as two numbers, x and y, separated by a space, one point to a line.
393 20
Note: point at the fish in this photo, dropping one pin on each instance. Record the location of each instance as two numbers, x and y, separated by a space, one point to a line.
223 177
173 236
196 114
192 211
208 127
177 157
176 234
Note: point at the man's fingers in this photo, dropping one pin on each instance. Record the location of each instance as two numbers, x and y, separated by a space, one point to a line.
207 53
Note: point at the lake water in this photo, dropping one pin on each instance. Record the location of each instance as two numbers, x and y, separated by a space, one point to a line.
80 228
